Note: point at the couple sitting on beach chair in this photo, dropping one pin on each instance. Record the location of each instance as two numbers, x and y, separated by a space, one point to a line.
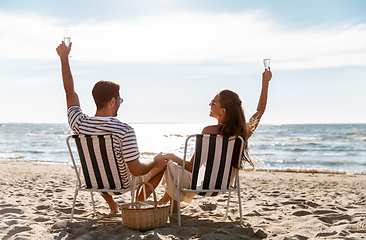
109 155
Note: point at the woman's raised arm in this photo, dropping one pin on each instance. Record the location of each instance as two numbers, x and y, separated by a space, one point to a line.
262 103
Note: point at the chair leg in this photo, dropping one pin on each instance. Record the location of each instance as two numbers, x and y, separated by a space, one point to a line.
178 202
73 205
239 196
133 190
227 206
172 200
178 193
92 198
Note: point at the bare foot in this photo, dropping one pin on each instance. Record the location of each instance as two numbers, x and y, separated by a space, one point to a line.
114 209
111 203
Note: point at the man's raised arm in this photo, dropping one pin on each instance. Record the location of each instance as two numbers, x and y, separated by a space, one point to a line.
72 98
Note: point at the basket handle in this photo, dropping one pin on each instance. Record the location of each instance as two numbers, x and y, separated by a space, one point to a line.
152 190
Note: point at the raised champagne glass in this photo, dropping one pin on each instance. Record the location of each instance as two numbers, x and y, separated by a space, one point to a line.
266 60
67 37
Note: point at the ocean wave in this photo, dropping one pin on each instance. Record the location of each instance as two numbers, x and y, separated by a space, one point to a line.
305 139
149 153
299 150
310 170
63 133
39 161
8 157
293 139
308 146
35 135
29 151
356 134
175 135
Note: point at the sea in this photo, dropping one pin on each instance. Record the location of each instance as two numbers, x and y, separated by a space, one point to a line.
312 148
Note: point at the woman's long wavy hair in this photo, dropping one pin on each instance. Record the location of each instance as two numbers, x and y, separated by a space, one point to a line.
234 123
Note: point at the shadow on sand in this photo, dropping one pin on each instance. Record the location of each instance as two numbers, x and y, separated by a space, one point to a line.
110 227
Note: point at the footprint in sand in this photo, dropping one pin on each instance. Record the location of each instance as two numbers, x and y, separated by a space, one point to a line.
17 229
42 207
253 214
332 219
41 219
324 234
269 209
312 204
6 205
290 203
302 213
11 222
68 210
208 206
59 190
11 210
321 212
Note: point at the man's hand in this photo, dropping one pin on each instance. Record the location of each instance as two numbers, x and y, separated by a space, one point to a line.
159 159
63 51
72 98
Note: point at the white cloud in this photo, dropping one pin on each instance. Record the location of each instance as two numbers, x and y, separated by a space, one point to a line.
195 77
27 36
187 37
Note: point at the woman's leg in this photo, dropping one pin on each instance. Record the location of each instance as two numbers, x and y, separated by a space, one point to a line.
156 176
167 198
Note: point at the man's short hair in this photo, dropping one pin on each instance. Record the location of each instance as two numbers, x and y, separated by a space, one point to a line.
103 91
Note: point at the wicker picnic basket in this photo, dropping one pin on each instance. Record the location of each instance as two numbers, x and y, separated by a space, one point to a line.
145 215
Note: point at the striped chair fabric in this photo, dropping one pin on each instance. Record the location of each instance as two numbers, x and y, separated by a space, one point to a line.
98 162
213 163
214 156
99 166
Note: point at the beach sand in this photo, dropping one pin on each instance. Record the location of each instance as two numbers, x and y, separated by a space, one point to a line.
36 200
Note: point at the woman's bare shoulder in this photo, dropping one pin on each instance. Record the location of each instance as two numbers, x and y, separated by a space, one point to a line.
211 129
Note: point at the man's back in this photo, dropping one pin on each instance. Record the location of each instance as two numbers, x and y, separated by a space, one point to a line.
80 123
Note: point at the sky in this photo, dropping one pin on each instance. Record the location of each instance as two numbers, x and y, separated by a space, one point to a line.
171 57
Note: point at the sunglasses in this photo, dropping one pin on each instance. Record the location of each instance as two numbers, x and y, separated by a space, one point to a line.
213 103
120 100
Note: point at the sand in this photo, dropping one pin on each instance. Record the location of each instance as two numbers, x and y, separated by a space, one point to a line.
36 200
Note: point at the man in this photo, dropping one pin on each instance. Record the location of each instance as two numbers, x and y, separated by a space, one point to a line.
107 99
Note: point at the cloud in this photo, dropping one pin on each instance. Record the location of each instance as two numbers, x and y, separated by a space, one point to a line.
196 77
26 36
187 37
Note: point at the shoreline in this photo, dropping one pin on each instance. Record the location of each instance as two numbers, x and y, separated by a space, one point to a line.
36 201
281 170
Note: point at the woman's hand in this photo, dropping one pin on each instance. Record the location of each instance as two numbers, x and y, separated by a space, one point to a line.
168 156
266 76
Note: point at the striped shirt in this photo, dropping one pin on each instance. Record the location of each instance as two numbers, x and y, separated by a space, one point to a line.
81 123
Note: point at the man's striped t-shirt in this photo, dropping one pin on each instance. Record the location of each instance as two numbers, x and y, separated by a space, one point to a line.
81 123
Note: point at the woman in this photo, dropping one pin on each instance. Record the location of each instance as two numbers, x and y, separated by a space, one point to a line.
226 108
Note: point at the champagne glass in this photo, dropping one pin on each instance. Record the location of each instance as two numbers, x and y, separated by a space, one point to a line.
266 60
67 37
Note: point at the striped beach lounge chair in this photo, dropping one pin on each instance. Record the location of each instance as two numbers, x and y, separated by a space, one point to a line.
99 167
212 168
